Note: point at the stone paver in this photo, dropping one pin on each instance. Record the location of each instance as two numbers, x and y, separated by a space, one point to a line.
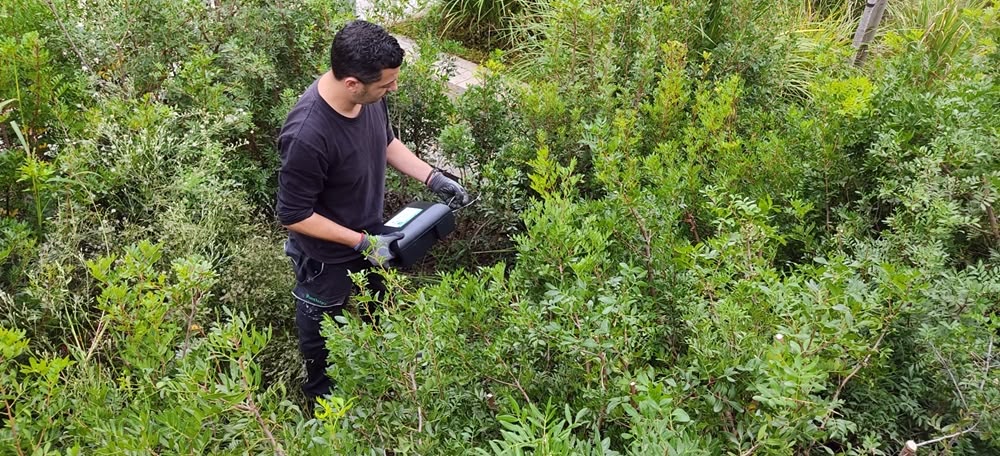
466 72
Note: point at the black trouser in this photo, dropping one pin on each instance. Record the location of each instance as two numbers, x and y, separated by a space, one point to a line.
324 289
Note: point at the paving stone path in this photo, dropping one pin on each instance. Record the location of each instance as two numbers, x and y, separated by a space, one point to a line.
466 75
466 72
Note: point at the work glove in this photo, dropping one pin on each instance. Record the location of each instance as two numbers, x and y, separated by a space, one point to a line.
448 189
376 248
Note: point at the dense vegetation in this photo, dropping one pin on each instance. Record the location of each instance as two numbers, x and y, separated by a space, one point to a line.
700 231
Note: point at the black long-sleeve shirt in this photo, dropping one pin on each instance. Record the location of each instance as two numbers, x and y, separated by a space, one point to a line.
334 166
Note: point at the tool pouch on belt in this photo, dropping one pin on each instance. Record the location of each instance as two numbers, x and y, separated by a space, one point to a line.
316 283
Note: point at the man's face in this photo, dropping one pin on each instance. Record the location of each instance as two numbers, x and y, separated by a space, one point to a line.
371 93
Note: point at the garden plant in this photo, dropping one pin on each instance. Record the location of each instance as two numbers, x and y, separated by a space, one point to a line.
700 230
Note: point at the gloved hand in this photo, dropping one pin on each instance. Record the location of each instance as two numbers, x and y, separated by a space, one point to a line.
450 191
376 248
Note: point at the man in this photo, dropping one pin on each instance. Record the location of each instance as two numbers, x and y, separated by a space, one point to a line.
335 145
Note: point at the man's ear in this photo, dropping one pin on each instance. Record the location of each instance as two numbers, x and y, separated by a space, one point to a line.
353 84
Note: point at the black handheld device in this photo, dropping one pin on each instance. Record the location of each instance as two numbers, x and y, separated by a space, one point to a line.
423 224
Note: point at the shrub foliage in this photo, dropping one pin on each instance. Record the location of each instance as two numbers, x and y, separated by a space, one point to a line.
699 230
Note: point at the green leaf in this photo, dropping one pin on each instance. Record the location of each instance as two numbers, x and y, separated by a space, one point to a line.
20 137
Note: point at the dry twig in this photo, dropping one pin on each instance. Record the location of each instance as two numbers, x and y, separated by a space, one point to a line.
951 375
910 449
989 360
52 7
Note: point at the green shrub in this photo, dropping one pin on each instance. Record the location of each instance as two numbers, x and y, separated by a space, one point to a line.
421 107
699 230
151 378
173 142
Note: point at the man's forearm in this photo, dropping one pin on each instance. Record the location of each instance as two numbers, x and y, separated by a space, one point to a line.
400 157
321 227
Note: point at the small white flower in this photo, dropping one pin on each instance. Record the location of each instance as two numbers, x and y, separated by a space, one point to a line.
779 337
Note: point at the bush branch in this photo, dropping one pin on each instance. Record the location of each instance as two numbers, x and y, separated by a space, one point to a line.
250 406
13 428
989 360
52 7
420 412
101 327
516 384
951 375
949 436
195 299
860 365
751 450
910 449
990 215
648 239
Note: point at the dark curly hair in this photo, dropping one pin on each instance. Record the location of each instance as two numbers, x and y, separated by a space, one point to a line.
362 50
